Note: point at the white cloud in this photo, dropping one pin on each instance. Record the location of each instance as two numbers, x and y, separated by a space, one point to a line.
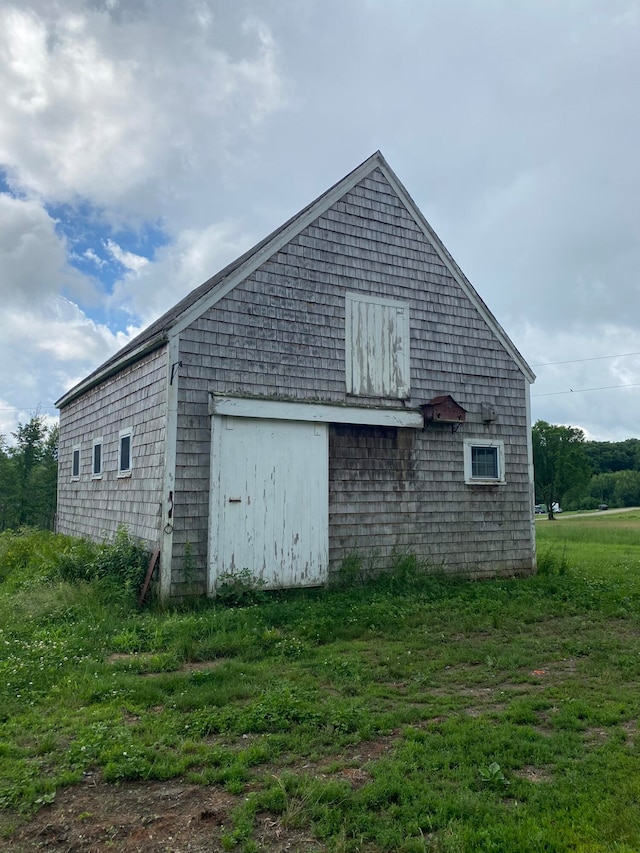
50 346
130 261
104 101
32 256
46 341
90 255
193 257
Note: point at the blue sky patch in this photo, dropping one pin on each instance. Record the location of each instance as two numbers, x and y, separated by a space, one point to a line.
88 234
99 251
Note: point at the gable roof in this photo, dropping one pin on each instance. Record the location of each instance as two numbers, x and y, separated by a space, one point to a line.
211 291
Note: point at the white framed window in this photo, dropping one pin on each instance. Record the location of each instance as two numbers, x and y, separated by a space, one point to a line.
96 458
484 461
124 452
376 346
75 462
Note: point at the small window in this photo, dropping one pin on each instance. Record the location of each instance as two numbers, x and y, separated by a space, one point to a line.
483 461
75 462
124 453
96 456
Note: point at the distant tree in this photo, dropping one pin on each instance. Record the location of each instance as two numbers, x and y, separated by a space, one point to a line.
610 456
560 462
602 489
627 488
7 482
28 476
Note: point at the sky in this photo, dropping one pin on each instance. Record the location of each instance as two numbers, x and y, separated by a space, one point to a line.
144 144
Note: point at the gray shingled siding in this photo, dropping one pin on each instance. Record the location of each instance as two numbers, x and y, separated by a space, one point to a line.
95 508
191 502
280 334
397 491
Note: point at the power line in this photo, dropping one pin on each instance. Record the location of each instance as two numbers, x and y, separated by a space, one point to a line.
581 390
593 358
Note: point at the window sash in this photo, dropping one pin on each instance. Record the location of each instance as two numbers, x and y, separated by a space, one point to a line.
96 458
124 462
484 463
75 463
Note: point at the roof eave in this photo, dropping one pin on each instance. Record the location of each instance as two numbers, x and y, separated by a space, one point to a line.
111 368
272 244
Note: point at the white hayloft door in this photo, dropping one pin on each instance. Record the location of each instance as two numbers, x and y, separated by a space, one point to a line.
269 500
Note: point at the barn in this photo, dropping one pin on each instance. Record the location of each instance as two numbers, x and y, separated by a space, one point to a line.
339 390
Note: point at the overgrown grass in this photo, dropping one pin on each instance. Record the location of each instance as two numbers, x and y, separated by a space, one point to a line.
416 713
596 544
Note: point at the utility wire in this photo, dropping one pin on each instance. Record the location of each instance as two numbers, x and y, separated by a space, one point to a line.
593 358
581 390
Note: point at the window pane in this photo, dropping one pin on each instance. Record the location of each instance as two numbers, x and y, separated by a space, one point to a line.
484 463
75 465
97 459
125 453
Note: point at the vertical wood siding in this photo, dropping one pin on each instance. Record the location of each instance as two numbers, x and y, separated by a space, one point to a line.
96 508
281 334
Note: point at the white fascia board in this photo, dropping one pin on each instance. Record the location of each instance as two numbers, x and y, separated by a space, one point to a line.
457 274
296 227
244 407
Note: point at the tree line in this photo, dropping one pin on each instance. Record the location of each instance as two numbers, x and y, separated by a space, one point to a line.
29 476
580 474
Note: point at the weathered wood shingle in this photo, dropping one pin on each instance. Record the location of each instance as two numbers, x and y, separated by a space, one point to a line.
96 508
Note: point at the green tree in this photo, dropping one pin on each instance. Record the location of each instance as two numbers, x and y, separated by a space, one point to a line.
627 488
560 462
610 456
7 486
602 489
28 476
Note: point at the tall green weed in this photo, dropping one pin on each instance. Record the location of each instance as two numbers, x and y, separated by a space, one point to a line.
122 559
32 558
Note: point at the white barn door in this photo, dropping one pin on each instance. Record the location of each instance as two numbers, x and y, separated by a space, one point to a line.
269 503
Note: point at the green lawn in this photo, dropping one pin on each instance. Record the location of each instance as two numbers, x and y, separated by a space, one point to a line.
420 714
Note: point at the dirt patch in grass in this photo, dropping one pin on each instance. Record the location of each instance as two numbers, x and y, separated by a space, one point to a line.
203 665
118 659
630 728
534 774
144 818
157 817
595 736
351 764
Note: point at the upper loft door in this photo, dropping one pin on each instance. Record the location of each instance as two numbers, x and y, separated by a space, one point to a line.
269 509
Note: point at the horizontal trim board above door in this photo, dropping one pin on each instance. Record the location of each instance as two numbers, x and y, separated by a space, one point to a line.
244 407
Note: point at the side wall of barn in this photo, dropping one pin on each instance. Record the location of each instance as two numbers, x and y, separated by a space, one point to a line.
95 506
